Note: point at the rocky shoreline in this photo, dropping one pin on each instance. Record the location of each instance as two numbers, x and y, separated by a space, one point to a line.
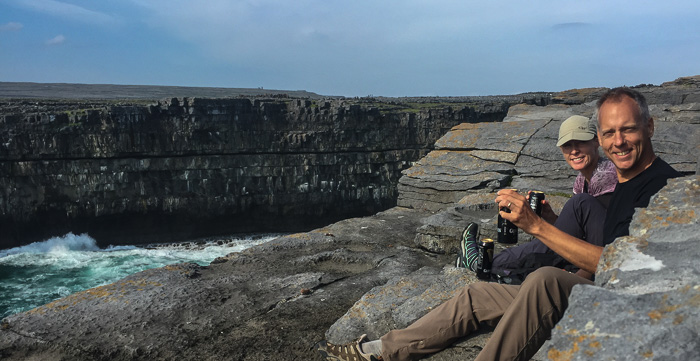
374 273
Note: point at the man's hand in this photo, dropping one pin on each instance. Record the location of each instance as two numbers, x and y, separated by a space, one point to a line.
579 252
520 212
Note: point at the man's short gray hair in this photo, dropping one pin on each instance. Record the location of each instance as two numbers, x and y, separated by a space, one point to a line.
616 95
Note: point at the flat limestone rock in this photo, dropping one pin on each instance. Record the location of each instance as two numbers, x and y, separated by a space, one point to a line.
527 112
469 158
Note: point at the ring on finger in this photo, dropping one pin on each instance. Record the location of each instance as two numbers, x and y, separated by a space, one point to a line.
508 205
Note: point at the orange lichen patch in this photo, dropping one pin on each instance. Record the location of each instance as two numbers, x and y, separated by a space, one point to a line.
678 217
578 342
608 255
369 296
678 320
694 301
564 355
357 312
642 243
648 354
652 220
655 315
666 308
670 308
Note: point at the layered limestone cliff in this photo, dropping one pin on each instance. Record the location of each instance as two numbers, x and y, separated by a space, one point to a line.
130 172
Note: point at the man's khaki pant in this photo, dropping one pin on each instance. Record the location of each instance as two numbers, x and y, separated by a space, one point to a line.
524 316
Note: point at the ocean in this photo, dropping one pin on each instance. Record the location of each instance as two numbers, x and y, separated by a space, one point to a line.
41 272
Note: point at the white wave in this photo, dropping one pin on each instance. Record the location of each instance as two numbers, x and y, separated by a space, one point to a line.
69 242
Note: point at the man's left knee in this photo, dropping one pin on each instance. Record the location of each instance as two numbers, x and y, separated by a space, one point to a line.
544 273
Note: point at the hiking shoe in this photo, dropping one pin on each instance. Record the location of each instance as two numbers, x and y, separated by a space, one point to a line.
468 247
347 352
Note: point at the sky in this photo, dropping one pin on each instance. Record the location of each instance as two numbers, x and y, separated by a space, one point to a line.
352 47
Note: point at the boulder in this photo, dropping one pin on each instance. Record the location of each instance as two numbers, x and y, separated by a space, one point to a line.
646 301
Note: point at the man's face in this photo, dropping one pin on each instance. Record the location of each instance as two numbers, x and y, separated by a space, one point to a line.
624 138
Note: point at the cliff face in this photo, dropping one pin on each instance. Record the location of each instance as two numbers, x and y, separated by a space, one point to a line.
194 167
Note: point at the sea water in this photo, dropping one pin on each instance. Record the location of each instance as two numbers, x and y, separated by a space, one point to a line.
41 272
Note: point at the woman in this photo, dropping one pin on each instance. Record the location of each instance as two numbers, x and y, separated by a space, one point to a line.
579 145
595 182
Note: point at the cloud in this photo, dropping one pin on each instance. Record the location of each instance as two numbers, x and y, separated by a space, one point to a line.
11 26
65 10
410 46
57 40
572 25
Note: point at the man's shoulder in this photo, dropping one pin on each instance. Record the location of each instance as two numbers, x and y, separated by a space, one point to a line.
658 172
649 182
665 169
664 166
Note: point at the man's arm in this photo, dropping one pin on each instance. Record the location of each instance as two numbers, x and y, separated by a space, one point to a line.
580 253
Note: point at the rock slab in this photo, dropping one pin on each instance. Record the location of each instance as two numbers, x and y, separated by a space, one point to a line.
646 302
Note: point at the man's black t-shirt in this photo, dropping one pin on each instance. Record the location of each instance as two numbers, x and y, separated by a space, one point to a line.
636 192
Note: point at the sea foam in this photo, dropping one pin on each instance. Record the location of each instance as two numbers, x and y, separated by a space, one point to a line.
42 272
69 242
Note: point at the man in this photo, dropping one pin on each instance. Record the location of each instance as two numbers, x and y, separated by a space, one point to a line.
524 315
581 216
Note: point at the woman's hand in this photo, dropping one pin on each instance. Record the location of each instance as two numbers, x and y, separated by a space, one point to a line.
547 212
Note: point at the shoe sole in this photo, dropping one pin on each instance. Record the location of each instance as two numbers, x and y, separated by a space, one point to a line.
463 247
321 348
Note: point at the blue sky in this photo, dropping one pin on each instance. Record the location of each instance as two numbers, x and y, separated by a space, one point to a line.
352 48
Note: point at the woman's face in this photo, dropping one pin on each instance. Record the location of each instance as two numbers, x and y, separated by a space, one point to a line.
581 155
